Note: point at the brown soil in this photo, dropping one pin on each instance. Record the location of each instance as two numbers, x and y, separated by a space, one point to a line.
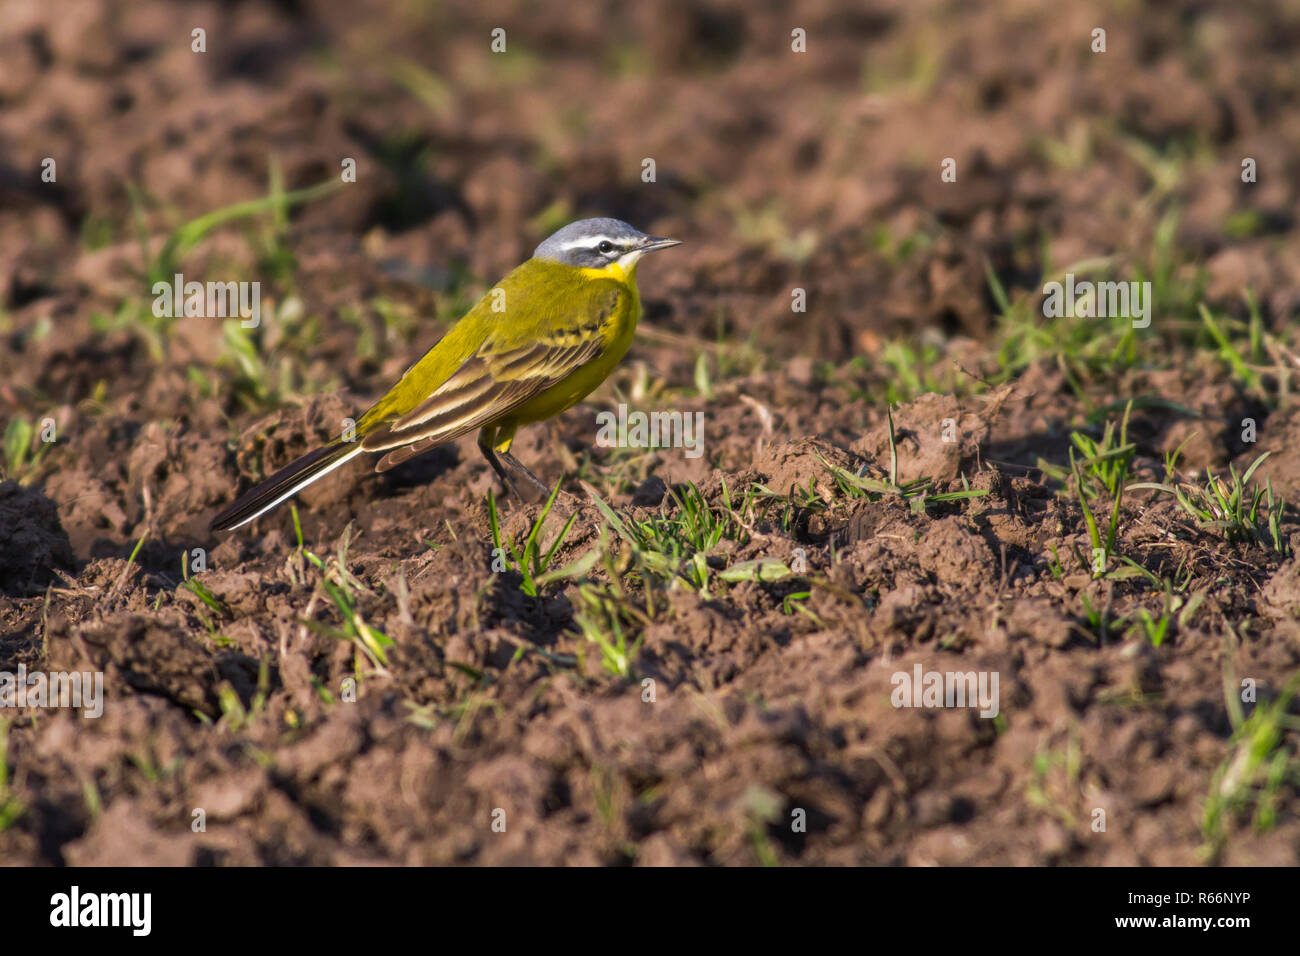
816 171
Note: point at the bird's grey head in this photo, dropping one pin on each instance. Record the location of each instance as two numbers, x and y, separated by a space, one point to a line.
596 243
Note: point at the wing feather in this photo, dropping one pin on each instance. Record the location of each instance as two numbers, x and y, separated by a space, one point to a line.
488 385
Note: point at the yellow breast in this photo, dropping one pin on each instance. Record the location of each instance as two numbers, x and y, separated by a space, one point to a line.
617 329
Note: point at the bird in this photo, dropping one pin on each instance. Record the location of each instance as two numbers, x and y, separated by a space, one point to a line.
534 345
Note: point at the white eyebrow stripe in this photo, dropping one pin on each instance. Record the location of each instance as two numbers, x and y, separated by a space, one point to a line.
588 242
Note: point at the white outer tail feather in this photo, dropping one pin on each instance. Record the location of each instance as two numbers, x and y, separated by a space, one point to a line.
298 487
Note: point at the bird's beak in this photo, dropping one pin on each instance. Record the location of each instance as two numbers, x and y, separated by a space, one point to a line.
651 243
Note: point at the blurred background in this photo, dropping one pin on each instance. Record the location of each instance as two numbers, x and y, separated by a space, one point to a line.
817 169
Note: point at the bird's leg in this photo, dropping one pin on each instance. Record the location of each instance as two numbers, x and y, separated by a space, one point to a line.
495 462
487 439
518 467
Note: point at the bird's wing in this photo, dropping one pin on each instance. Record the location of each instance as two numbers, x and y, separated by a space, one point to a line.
499 377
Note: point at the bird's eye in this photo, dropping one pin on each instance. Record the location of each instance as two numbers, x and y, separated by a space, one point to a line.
605 248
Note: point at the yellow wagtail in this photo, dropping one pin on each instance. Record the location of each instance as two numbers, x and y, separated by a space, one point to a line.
536 344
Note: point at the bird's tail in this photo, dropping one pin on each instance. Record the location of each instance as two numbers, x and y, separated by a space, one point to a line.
285 483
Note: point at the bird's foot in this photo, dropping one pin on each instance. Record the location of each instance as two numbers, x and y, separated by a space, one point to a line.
527 486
